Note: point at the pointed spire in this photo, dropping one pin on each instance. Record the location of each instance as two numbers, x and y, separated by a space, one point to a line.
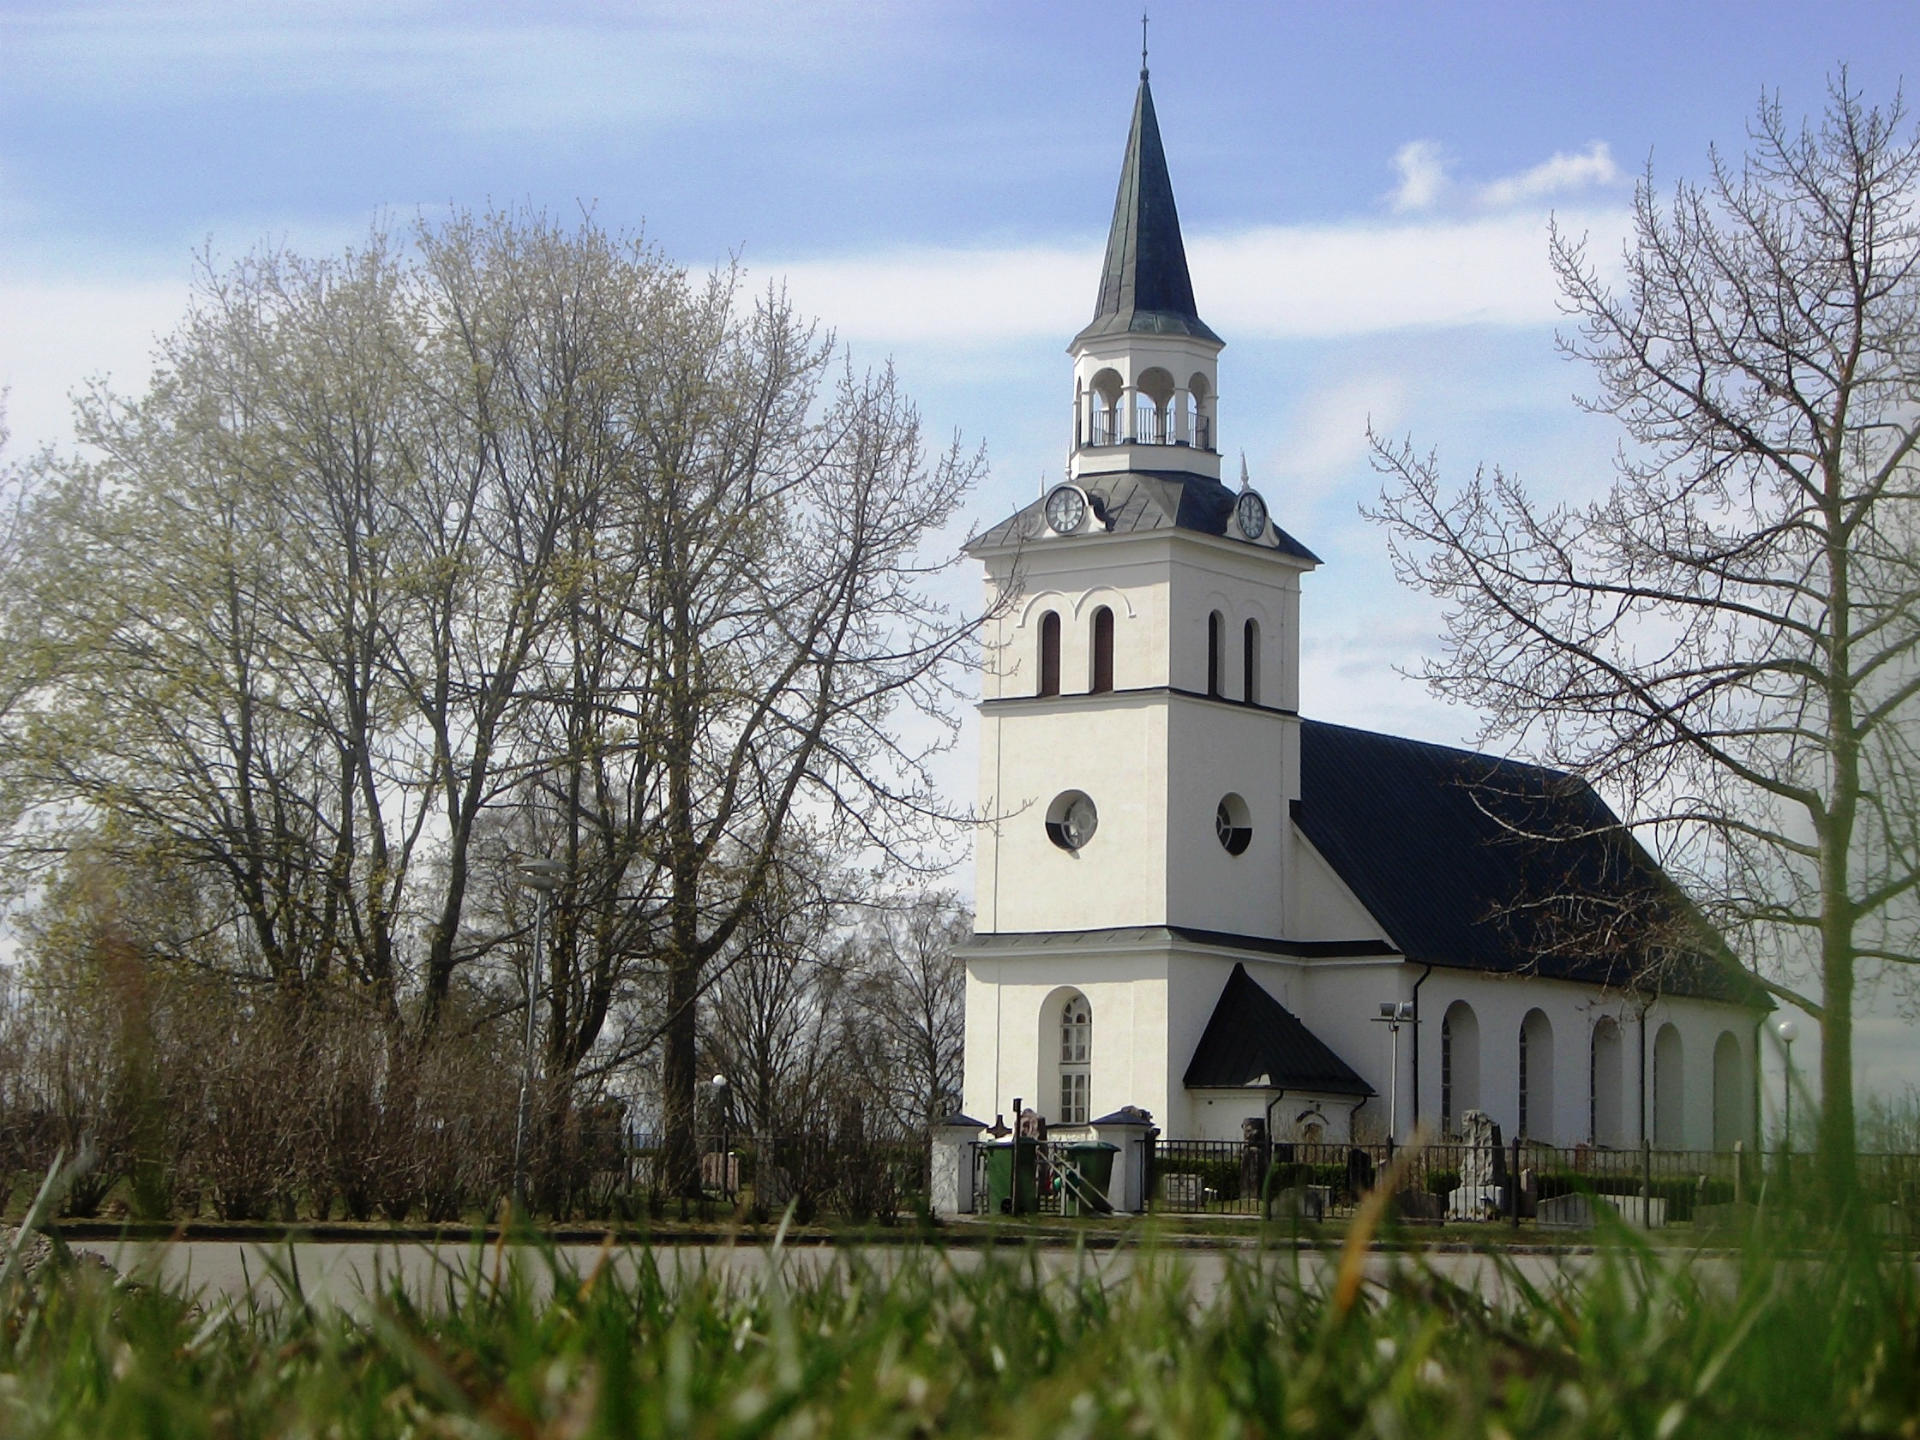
1144 285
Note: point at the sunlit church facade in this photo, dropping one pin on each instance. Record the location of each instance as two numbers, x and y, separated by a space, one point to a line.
1192 899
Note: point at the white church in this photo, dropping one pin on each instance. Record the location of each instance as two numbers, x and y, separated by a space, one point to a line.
1193 900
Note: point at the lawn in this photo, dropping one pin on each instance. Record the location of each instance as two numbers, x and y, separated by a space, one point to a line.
1788 1341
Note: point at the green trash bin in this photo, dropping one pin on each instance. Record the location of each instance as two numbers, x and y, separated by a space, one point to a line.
1011 1186
1084 1191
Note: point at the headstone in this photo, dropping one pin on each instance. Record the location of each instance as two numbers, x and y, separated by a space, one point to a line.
773 1186
1253 1156
1183 1192
1484 1161
1302 1202
1572 1210
1483 1169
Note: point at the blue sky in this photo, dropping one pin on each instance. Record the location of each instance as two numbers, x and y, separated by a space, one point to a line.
1364 190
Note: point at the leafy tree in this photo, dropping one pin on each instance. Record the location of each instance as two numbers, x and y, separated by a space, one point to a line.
508 534
1729 640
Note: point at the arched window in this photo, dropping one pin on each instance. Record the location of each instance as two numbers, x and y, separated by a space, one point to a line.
1603 1085
1050 653
1731 1098
1200 397
1216 644
1459 1064
1076 1059
1153 407
1250 662
1536 1077
1103 409
1669 1092
1102 651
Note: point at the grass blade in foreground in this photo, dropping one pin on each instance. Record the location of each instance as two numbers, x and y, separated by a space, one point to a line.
918 1342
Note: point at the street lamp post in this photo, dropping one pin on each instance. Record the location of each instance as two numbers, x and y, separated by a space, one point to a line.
720 1105
1393 1014
1788 1033
542 877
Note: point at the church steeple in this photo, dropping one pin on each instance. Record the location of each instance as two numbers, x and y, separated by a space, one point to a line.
1145 368
1144 285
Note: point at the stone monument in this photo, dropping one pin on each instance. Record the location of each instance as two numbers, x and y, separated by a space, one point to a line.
1483 1169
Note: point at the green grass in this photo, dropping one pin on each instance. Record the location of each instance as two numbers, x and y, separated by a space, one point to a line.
1774 1343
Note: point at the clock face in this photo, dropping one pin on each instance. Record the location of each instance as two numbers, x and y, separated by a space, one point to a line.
1251 515
1066 509
1071 820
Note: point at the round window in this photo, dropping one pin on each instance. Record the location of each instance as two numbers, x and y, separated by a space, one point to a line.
1233 824
1071 820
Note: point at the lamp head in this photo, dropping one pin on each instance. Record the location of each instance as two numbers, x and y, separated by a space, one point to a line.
1787 1031
719 1083
542 875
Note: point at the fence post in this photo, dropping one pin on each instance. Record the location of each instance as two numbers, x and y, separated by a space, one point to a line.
1513 1181
1646 1181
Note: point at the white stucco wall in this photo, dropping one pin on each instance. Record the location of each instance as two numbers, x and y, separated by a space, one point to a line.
1500 1003
1156 762
1151 1003
1009 1056
1320 906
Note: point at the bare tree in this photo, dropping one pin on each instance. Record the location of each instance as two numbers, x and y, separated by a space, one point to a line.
775 1018
786 624
1729 641
911 1001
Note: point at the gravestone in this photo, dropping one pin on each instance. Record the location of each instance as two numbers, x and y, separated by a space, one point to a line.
1253 1156
1483 1169
1183 1192
1485 1159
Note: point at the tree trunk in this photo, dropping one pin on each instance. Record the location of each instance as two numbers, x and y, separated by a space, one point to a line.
678 1080
1835 1158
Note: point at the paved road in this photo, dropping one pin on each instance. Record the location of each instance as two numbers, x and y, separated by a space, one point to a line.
343 1273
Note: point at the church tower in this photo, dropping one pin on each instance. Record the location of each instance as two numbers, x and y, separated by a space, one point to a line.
1139 725
1192 901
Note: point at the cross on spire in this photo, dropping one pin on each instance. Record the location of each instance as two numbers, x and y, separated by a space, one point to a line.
1143 44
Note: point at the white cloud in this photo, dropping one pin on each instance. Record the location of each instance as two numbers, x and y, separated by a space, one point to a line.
1282 282
1580 170
61 333
1423 175
1324 439
964 297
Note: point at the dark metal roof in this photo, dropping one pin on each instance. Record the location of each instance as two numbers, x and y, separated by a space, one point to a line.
1252 1039
1162 934
1144 285
1480 863
1127 501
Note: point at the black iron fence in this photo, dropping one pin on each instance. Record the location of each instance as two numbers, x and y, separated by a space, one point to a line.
1545 1181
823 1176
